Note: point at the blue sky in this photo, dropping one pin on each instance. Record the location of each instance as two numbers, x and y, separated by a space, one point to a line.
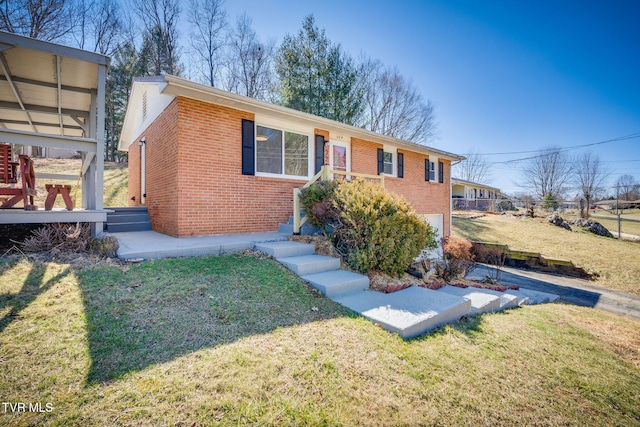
505 76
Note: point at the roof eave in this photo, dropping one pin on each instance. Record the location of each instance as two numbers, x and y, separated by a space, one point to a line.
53 48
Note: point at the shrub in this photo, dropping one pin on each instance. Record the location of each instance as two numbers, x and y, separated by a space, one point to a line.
549 202
456 258
107 246
370 227
494 255
433 285
59 237
506 205
317 199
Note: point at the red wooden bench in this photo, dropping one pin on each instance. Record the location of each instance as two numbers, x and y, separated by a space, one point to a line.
52 192
24 192
8 169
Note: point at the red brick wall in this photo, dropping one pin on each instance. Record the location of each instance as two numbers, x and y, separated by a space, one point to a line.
215 198
364 156
161 171
425 197
195 186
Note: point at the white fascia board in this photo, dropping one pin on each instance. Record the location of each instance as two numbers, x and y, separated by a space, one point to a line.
177 86
53 48
472 184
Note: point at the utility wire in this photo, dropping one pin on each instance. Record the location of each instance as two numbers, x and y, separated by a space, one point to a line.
573 147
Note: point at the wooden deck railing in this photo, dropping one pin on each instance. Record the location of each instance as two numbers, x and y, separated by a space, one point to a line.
325 174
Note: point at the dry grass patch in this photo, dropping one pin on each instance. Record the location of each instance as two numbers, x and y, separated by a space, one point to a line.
621 335
614 261
239 340
115 181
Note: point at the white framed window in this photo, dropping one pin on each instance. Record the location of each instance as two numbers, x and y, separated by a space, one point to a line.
388 163
282 152
432 171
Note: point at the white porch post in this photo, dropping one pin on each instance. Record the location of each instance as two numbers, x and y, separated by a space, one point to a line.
99 136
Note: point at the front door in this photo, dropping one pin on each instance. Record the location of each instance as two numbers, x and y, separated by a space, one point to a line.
341 156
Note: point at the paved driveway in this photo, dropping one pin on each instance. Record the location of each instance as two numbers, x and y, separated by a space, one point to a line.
574 291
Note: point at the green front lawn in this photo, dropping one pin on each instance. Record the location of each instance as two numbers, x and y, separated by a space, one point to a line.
239 340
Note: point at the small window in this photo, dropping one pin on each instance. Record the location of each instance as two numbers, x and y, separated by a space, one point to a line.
388 163
431 171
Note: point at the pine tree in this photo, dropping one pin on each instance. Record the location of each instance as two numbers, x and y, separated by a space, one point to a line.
317 77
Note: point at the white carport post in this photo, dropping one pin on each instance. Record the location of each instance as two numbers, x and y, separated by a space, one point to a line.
93 164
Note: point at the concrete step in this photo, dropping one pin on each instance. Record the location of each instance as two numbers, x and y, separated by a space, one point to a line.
305 229
286 249
128 209
310 264
507 301
337 282
534 297
128 226
481 302
409 312
113 218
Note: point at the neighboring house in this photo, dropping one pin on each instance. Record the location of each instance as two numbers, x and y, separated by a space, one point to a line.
206 161
471 195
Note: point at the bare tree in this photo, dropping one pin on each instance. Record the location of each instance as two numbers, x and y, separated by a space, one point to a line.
628 188
97 25
394 106
475 168
249 63
49 20
160 41
208 20
589 174
547 174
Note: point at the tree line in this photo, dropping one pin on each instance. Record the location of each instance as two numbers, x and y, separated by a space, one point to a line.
306 71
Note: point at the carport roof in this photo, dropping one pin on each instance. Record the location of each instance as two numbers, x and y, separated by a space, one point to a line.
46 88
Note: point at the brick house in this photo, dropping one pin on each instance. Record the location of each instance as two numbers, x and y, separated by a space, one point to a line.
205 161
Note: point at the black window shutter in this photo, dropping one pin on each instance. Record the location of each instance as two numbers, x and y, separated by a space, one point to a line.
426 169
319 152
380 160
400 165
441 172
248 147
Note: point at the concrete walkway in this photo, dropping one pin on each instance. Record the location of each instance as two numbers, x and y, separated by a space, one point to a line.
150 244
574 291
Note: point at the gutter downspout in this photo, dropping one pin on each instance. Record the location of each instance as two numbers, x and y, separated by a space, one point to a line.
143 170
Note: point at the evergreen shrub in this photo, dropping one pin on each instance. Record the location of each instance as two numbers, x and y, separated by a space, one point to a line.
370 227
